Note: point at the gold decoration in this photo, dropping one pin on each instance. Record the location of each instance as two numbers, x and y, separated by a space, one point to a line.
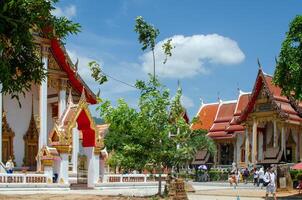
63 148
53 83
61 135
31 139
7 140
52 63
61 181
49 180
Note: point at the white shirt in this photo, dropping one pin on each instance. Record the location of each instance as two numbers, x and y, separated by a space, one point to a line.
9 165
256 173
261 174
271 178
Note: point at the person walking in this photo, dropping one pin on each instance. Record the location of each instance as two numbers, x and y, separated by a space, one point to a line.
246 174
256 177
270 178
261 177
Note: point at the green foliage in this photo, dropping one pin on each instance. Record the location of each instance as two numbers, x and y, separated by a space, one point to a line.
167 47
20 20
288 73
218 175
293 174
147 33
156 135
299 176
96 72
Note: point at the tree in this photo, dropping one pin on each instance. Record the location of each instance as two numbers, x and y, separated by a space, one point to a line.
141 138
20 20
288 73
147 35
187 141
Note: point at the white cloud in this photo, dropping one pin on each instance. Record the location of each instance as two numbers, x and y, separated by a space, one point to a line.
187 102
193 55
69 11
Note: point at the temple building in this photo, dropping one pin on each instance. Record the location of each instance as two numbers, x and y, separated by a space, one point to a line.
53 127
261 127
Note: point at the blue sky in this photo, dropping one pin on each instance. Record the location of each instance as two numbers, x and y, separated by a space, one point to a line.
217 43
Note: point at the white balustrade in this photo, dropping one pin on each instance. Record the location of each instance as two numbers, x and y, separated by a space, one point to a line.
126 178
23 178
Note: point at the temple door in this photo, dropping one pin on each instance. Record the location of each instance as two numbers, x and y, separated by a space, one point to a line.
31 138
7 140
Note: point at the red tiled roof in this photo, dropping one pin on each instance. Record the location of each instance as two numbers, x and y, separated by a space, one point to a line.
281 102
75 80
222 121
206 116
241 104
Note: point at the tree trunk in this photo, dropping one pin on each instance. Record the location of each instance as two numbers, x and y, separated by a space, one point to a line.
159 183
153 65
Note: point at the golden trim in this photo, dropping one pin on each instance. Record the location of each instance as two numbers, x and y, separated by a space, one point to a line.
7 140
31 138
63 148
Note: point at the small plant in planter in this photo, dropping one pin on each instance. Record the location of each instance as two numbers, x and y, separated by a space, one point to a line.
299 178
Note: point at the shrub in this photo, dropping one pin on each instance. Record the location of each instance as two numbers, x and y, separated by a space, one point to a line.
218 175
299 177
294 173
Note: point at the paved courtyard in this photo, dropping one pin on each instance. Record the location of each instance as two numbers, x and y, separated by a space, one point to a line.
206 191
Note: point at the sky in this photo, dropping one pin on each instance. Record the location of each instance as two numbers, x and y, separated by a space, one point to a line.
216 44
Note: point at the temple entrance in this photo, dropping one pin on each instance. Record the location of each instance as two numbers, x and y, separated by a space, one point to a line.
78 132
7 140
227 155
82 169
289 154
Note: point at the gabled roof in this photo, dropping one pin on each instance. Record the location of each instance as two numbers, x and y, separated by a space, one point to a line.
65 64
222 120
242 101
285 107
206 116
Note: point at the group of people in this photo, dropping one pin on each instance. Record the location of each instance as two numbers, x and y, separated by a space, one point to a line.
261 178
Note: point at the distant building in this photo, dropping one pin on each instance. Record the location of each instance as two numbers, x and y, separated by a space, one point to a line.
261 127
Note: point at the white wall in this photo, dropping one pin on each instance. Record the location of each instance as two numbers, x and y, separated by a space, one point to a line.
18 119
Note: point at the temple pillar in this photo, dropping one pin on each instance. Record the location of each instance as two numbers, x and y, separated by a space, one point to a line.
62 98
75 149
48 169
63 171
247 146
93 166
43 101
235 152
260 146
1 111
283 140
254 146
63 165
275 133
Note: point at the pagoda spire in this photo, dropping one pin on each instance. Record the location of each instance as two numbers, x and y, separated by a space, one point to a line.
259 64
70 100
83 96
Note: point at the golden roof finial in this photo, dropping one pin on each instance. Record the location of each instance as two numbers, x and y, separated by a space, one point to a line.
70 100
83 96
259 64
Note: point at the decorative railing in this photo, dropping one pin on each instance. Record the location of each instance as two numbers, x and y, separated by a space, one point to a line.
23 178
132 178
